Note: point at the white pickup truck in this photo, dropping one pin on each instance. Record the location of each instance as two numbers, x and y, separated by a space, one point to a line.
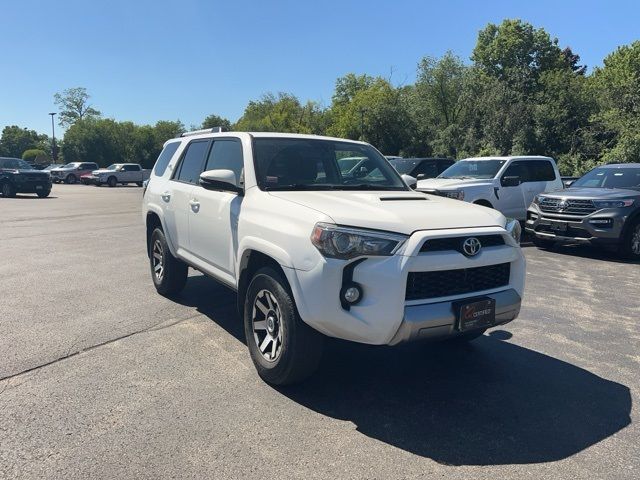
313 250
118 174
508 184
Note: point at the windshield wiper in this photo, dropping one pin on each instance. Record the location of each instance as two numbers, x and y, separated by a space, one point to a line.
368 186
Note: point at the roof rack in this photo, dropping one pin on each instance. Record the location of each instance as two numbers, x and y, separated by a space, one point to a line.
201 132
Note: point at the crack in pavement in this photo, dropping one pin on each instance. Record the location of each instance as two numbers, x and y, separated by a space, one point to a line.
153 328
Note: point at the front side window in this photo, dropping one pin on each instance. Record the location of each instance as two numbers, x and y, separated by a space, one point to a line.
164 158
518 169
473 169
192 162
314 164
226 155
626 178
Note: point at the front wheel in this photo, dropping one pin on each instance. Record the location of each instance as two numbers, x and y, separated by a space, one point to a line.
71 179
8 191
283 348
630 247
44 194
112 181
139 184
169 274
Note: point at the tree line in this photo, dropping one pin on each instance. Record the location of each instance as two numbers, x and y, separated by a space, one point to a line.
522 93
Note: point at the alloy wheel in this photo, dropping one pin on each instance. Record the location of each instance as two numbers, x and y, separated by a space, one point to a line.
635 240
158 260
266 320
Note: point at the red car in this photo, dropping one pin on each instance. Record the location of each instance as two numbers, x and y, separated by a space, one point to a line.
72 172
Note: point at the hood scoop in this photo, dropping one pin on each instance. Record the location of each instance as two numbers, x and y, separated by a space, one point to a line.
401 199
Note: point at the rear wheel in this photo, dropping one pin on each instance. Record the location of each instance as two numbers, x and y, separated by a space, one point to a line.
112 181
139 184
169 274
543 243
8 191
283 348
44 194
630 247
71 179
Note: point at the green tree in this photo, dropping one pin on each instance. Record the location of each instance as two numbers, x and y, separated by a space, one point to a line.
36 155
15 141
517 53
74 105
216 121
374 111
281 113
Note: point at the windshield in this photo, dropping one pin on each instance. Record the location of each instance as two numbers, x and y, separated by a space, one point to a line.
14 163
70 165
112 167
610 178
473 169
310 164
403 165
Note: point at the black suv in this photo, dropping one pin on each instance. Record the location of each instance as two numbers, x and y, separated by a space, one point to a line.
602 207
421 168
17 176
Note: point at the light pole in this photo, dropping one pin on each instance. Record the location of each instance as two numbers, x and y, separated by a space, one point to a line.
54 154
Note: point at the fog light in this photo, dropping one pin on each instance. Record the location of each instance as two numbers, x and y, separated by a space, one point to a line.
601 222
351 293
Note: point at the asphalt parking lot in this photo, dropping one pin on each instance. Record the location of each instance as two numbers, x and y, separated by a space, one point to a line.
102 378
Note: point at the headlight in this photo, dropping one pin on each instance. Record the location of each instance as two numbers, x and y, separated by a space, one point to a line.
343 242
627 202
455 194
514 229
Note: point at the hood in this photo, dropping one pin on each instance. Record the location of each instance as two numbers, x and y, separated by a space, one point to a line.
62 169
592 193
451 183
401 212
102 170
28 171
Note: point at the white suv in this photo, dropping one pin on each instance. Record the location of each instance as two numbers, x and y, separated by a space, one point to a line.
508 184
313 251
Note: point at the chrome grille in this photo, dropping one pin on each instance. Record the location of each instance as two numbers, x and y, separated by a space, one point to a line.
567 206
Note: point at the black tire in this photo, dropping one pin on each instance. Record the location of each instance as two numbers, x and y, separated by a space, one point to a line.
44 194
112 181
71 179
173 276
467 337
139 184
8 191
300 346
630 246
98 184
542 243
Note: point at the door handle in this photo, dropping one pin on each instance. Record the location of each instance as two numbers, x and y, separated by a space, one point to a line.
166 196
195 205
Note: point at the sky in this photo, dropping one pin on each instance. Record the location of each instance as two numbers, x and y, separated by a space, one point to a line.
145 61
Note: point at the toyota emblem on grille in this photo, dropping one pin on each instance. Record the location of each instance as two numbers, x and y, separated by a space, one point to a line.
471 246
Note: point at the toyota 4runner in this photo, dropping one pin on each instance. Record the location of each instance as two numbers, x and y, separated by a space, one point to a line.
312 251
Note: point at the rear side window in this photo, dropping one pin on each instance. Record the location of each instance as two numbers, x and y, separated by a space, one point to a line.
541 171
132 168
226 155
165 158
192 162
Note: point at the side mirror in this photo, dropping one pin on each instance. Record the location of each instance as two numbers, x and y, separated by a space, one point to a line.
220 180
510 181
421 176
409 180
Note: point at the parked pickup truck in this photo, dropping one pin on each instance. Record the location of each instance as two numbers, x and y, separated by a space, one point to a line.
507 184
118 174
313 251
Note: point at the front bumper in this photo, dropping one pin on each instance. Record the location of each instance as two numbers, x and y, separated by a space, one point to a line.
384 316
438 320
580 229
33 186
